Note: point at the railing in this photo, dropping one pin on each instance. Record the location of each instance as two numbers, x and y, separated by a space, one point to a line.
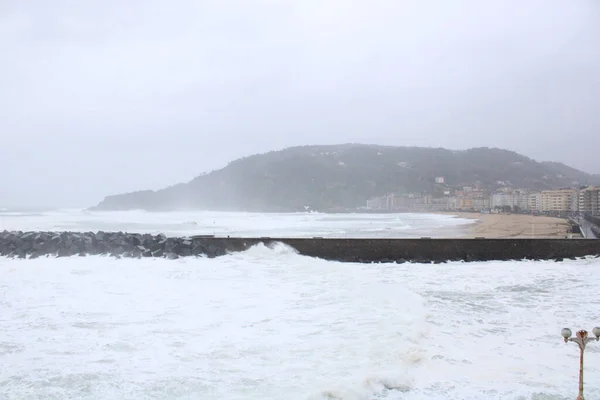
586 229
589 227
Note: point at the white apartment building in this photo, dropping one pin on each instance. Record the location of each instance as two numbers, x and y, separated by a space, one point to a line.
521 199
499 200
381 203
516 198
534 202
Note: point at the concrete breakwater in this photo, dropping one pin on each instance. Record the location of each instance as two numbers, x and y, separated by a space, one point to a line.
119 244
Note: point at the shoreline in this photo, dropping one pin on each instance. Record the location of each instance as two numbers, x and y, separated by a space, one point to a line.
491 226
514 226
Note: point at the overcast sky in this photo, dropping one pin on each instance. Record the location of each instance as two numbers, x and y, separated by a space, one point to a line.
100 97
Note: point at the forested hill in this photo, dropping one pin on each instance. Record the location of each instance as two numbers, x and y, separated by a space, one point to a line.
345 176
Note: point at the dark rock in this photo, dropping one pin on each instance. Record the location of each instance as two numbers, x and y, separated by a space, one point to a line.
63 252
213 251
158 253
88 246
157 246
28 235
172 256
169 243
25 245
117 251
198 249
37 244
135 240
148 241
135 253
182 249
55 240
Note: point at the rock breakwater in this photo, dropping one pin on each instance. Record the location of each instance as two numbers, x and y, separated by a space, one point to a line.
118 244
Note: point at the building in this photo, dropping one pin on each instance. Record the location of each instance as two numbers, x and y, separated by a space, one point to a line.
381 203
510 198
481 203
465 203
400 202
534 202
442 204
560 200
376 203
588 200
472 200
521 199
500 200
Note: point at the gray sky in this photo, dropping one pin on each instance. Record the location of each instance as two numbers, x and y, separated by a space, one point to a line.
100 97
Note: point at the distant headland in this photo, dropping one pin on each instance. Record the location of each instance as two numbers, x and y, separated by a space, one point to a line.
358 177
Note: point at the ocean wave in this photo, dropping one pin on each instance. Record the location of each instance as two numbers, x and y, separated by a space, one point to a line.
232 223
275 249
522 288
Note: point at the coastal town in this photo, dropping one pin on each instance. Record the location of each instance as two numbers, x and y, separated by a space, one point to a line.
568 201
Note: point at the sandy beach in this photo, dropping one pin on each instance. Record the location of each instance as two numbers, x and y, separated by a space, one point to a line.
516 226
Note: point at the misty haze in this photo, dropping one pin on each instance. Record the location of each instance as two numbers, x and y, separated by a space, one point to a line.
304 199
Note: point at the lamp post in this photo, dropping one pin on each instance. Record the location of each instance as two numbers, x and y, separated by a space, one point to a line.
582 339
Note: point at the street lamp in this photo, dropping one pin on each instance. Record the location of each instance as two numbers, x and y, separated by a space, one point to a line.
582 339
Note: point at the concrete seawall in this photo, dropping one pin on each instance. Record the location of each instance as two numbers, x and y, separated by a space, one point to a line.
119 244
428 250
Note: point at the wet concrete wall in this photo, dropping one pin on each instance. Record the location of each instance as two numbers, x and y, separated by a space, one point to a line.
427 250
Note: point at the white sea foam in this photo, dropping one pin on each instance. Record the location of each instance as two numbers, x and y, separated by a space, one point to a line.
269 323
240 224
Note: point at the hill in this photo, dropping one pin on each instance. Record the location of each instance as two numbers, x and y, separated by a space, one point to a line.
345 176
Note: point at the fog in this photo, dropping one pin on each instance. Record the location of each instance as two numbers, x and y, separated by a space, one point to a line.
103 97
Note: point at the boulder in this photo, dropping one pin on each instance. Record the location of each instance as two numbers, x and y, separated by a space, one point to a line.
198 249
158 253
148 241
136 240
181 249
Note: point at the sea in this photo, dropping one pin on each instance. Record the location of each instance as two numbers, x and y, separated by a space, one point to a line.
269 323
